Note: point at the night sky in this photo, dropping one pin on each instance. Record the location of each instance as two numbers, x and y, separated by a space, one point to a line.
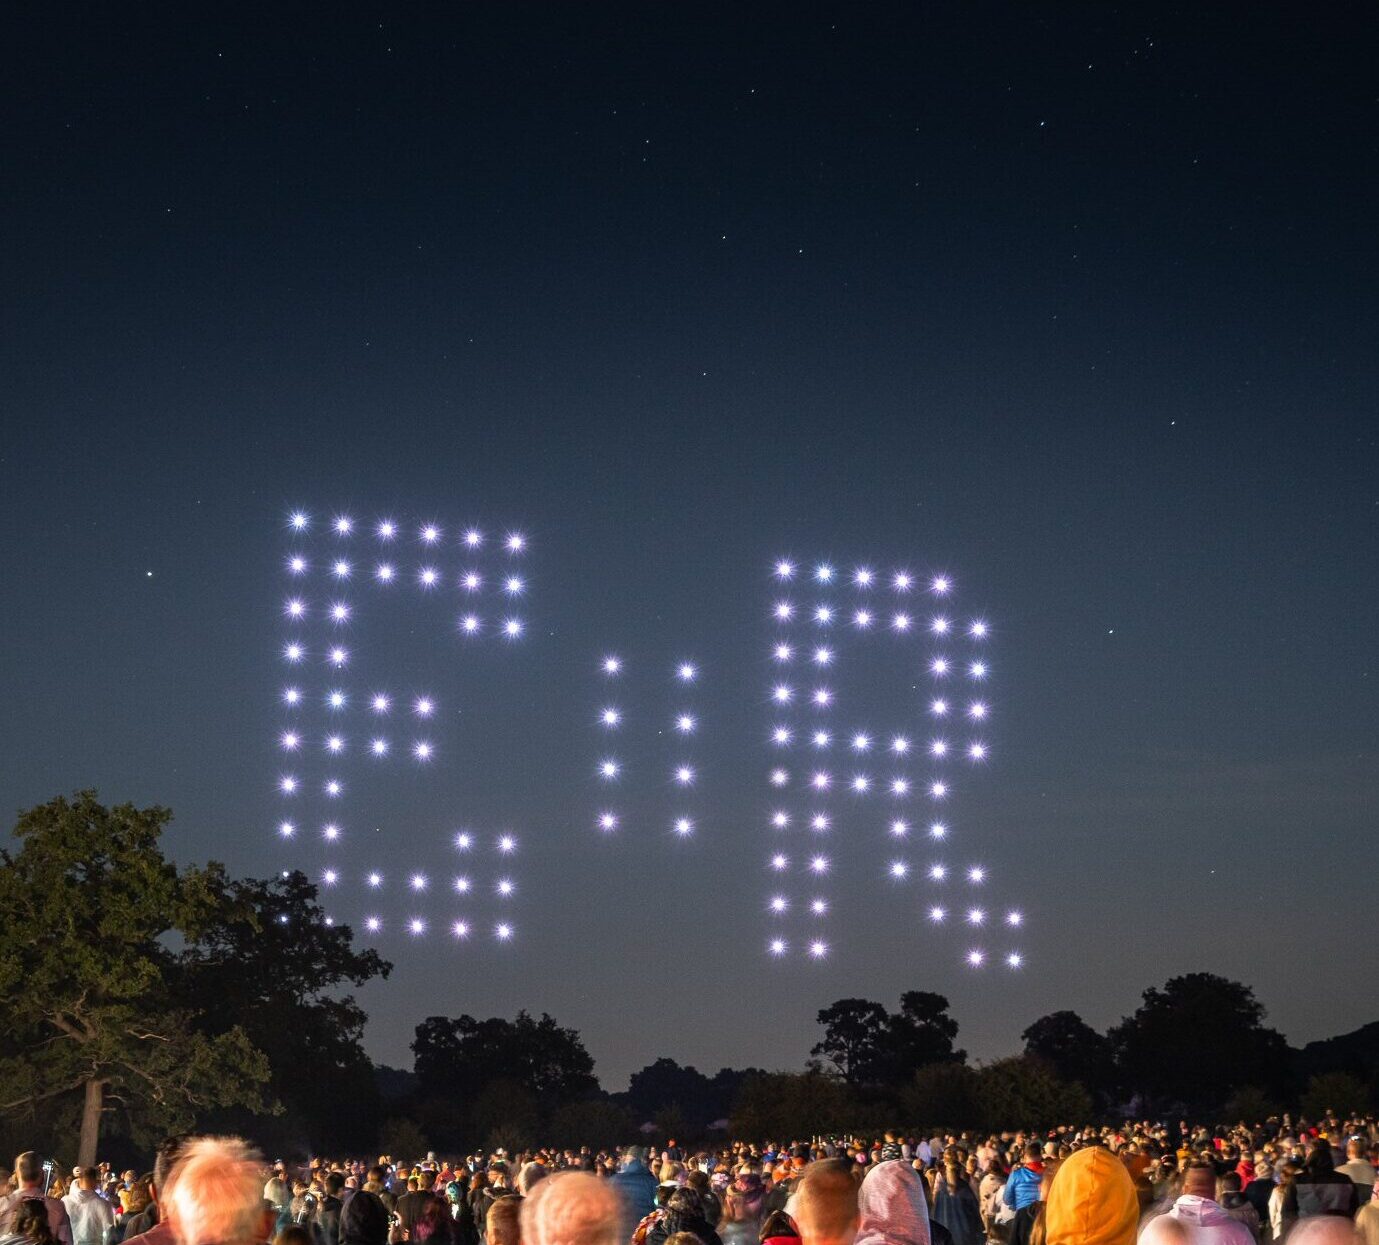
1074 303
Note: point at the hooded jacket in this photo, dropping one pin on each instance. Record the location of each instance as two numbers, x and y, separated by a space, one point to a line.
1022 1186
1209 1223
1091 1202
891 1206
90 1214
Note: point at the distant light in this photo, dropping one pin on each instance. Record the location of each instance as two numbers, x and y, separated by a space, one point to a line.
937 830
430 533
902 581
372 924
611 665
683 825
862 618
779 903
936 914
375 879
822 697
287 829
422 750
976 874
473 538
784 610
507 844
460 929
900 828
512 628
818 949
818 864
937 872
901 622
975 958
516 542
293 652
782 693
777 946
863 577
779 777
295 608
469 624
824 574
296 565
783 652
513 585
939 626
977 710
287 785
861 783
821 739
939 748
1014 959
861 743
686 672
977 670
684 775
344 525
339 656
819 822
428 576
784 569
900 745
821 781
900 786
384 572
1014 918
818 906
462 885
780 819
977 752
781 735
608 821
333 787
341 569
330 831
940 585
417 881
292 695
975 916
472 580
298 521
290 740
939 665
502 931
822 656
387 530
424 707
504 887
938 790
780 861
610 717
938 708
335 744
823 615
978 629
464 840
609 768
416 925
340 612
685 723
899 869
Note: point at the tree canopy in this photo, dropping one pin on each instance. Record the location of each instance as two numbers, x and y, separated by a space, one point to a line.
868 1046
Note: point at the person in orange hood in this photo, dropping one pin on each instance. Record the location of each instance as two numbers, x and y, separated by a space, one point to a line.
1091 1202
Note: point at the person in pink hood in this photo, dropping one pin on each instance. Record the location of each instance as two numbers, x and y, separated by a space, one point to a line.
1203 1219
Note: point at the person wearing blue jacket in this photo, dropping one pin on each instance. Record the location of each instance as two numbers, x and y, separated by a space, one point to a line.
1022 1187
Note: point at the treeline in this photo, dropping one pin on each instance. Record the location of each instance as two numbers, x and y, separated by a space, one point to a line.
138 999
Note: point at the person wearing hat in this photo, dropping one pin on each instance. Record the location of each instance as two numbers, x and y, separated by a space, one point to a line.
1091 1201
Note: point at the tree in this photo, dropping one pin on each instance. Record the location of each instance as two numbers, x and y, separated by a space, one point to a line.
920 1033
942 1095
458 1059
1196 1040
1024 1091
664 1084
85 1007
1334 1091
856 1032
269 961
785 1105
1073 1049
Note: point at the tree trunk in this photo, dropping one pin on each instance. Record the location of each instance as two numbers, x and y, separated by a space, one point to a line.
91 1122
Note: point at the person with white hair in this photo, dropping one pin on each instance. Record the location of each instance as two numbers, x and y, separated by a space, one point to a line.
216 1194
571 1208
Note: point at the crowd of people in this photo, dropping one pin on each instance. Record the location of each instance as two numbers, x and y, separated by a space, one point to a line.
1137 1184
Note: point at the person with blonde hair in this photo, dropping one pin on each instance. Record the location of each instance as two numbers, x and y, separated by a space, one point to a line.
216 1194
571 1208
